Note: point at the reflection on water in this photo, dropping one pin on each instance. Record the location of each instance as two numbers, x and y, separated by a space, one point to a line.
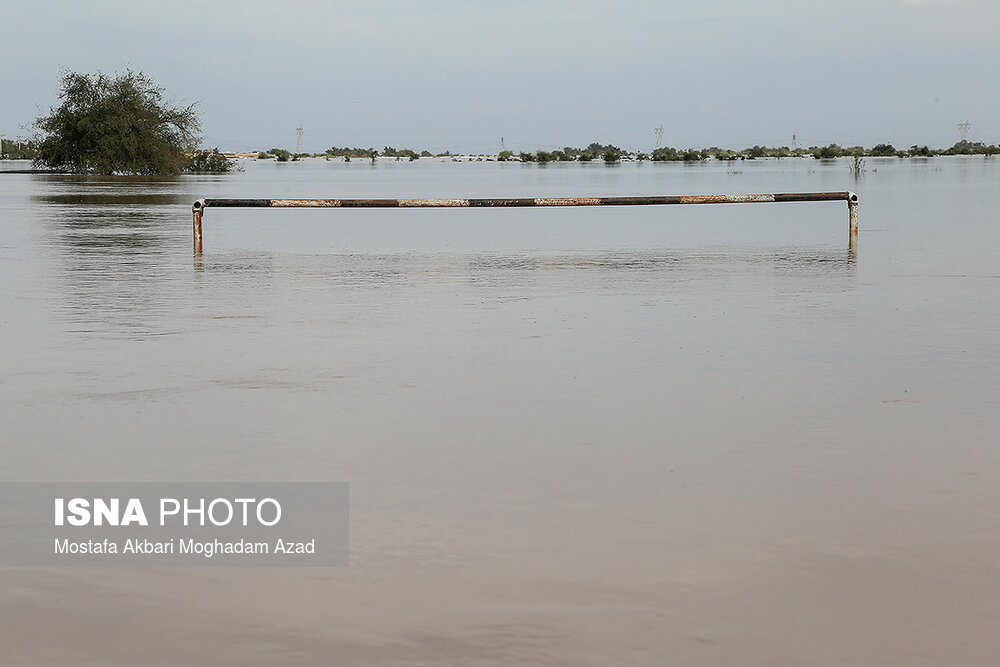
113 199
113 264
584 437
375 270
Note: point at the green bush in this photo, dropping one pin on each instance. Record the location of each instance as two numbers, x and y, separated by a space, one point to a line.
831 151
209 162
880 150
115 125
665 154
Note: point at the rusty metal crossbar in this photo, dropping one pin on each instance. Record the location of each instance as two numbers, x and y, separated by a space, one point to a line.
852 204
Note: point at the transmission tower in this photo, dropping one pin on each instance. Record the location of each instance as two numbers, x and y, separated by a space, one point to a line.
794 143
963 129
502 147
658 131
298 146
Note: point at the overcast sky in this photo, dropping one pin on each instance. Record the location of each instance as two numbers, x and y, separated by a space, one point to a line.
458 75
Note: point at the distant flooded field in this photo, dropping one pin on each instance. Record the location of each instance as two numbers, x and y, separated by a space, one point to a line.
580 436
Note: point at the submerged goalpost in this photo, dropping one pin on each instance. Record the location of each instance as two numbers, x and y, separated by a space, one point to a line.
198 208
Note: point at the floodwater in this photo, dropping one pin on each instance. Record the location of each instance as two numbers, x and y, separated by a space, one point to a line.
692 435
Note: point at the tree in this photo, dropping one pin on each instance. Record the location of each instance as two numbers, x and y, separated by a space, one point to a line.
115 125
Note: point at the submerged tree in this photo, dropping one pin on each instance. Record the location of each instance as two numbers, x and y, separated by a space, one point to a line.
209 162
115 125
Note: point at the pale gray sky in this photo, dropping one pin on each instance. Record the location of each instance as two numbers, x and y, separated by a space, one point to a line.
450 74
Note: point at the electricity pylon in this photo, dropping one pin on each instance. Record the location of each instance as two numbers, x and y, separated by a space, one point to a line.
963 129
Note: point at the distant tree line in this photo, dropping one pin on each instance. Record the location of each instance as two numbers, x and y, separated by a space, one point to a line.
888 150
11 149
610 153
607 152
387 151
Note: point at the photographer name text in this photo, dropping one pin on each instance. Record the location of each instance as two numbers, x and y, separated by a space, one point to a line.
205 548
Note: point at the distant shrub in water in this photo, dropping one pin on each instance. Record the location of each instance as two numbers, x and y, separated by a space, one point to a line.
526 157
544 156
969 148
880 150
665 154
611 156
827 152
857 166
390 151
209 162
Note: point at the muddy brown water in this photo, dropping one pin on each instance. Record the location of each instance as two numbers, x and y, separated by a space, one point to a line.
646 436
